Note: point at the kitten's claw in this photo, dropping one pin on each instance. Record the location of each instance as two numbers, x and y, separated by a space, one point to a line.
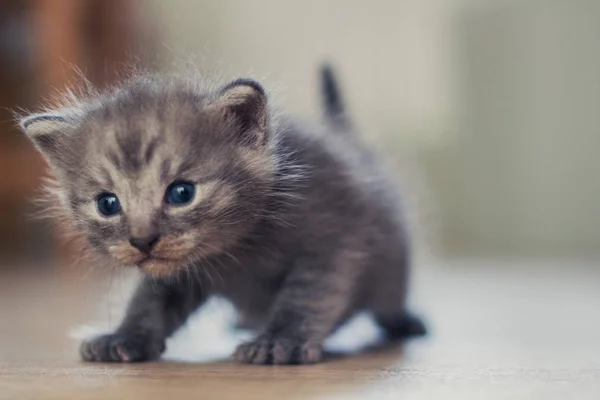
121 348
279 351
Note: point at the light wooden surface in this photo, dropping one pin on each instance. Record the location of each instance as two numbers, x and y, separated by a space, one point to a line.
518 330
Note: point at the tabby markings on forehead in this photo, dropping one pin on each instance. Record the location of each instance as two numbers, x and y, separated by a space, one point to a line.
150 149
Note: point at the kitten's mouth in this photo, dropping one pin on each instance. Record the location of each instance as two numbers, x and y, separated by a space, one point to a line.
153 258
158 266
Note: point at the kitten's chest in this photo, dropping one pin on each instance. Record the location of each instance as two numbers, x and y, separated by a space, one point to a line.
253 292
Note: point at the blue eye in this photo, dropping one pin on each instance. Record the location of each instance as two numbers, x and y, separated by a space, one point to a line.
108 204
180 193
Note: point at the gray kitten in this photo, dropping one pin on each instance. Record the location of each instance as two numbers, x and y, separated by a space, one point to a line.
211 192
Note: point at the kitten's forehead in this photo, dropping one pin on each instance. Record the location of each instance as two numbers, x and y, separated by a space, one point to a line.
137 151
134 136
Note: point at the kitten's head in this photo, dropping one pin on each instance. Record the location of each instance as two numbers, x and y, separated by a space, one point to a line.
159 174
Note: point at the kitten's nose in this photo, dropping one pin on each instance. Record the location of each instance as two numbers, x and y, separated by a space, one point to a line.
144 244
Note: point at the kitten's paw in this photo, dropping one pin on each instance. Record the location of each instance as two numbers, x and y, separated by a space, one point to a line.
279 351
118 347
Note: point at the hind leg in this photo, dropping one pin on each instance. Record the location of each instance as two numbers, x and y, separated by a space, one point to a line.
391 314
388 301
402 325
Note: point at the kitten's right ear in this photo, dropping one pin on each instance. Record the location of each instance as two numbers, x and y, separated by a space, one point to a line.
47 131
245 100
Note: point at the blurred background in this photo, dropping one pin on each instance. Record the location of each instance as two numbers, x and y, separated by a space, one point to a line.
488 111
496 101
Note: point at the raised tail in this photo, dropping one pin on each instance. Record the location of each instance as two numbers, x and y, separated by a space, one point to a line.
333 104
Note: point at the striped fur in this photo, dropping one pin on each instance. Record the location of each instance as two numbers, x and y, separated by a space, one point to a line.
298 227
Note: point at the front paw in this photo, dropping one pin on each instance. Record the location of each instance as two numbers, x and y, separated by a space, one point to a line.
279 350
120 347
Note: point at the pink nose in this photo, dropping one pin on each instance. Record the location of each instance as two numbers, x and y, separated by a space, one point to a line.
144 244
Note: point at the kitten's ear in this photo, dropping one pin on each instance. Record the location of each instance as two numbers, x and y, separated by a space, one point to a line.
246 101
48 131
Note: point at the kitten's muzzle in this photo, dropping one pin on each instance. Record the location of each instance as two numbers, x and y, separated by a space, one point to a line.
144 244
154 254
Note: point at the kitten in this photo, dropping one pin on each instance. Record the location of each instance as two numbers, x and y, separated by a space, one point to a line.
212 192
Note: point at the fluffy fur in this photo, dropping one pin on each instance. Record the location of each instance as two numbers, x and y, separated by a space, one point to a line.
296 225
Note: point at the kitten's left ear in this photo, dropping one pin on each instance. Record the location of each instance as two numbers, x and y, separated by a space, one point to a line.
48 131
246 101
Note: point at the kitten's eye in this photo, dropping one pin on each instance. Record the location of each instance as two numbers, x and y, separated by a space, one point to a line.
108 204
180 193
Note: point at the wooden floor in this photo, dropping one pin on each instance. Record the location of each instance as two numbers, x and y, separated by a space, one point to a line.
500 330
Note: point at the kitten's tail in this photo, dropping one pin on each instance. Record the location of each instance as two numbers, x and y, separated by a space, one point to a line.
333 104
